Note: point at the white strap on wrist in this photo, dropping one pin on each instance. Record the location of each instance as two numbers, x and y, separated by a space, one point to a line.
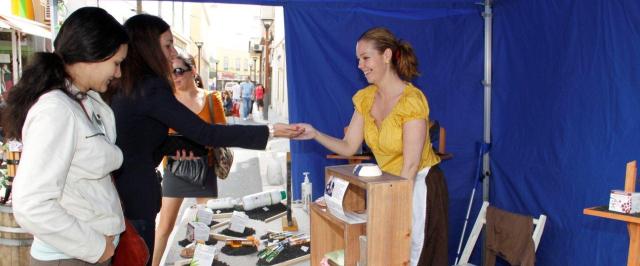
271 130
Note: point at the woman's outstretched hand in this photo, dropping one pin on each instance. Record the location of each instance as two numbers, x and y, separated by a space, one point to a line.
308 133
287 131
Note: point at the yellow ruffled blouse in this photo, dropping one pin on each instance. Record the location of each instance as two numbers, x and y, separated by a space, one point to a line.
386 142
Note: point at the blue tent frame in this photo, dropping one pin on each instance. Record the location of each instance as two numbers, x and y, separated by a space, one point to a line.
564 95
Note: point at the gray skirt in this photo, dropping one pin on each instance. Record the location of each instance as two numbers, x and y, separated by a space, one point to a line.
174 187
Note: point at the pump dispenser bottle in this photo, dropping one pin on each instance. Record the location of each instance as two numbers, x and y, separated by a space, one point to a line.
306 192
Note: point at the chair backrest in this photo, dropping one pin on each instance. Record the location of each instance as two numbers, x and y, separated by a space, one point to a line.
482 220
438 134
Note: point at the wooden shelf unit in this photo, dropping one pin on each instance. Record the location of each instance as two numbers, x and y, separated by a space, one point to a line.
633 221
387 201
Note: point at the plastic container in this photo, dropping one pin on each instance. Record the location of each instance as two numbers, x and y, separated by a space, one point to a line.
262 199
306 192
221 203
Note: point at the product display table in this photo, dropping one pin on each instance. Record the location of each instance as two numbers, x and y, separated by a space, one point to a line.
178 234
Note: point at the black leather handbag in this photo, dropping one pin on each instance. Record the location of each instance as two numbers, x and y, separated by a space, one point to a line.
192 171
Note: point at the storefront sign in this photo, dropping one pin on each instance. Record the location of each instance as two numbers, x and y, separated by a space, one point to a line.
5 58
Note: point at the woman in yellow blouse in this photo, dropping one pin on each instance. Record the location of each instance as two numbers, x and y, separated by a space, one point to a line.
392 116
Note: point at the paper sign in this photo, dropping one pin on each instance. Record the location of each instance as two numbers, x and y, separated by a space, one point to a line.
203 255
334 194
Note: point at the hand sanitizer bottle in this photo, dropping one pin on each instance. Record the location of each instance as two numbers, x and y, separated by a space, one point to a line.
306 192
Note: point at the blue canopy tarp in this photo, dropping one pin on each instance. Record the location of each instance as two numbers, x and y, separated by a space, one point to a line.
566 99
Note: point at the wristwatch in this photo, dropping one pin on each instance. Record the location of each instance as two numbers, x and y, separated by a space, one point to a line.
271 130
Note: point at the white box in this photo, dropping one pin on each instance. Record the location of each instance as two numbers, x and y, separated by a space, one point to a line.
238 222
197 231
204 215
624 202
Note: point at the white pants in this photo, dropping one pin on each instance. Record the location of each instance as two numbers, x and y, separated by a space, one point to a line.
419 215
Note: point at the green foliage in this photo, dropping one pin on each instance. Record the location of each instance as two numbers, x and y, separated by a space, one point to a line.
3 166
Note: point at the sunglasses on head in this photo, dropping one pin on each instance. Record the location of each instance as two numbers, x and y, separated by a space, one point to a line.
178 71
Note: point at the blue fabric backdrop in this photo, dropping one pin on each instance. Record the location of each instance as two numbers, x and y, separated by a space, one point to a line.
565 119
565 102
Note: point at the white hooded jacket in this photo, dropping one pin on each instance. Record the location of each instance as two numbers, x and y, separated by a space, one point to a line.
63 193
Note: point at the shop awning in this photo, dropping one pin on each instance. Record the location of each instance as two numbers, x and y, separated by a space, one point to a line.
24 25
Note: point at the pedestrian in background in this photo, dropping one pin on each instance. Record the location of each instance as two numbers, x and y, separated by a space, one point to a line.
247 94
174 189
63 193
260 96
145 108
228 103
392 116
6 78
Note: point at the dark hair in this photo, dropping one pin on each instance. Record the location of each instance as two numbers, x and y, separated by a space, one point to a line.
145 56
189 61
403 59
88 35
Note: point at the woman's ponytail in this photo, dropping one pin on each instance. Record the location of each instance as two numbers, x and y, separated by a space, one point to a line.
405 61
45 72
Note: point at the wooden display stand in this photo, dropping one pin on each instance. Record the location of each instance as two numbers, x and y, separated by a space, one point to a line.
387 201
633 220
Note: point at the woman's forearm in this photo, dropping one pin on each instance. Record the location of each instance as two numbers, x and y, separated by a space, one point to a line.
336 145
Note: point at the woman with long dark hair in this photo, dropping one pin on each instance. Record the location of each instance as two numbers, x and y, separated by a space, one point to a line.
63 193
146 108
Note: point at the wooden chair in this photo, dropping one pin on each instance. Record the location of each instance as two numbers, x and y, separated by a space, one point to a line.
438 134
482 220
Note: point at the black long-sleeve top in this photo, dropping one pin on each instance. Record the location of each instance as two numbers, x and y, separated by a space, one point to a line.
142 122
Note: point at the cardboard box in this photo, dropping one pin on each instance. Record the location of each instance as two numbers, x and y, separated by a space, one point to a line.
624 202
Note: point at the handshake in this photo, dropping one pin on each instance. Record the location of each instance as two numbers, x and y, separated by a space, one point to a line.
292 131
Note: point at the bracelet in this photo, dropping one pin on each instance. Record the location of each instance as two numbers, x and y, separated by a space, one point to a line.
271 130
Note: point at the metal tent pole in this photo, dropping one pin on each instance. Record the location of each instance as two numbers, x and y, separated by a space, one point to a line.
488 33
488 18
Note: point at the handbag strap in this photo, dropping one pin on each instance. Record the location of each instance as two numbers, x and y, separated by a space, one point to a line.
211 116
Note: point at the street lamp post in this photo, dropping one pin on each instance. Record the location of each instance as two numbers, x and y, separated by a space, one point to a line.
217 78
199 45
267 22
254 69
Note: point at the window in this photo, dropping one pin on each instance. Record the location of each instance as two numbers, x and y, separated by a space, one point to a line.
226 63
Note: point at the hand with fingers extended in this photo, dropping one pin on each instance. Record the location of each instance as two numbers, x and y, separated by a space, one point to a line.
182 155
287 131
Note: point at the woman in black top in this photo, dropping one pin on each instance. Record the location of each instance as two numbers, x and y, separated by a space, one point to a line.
145 108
